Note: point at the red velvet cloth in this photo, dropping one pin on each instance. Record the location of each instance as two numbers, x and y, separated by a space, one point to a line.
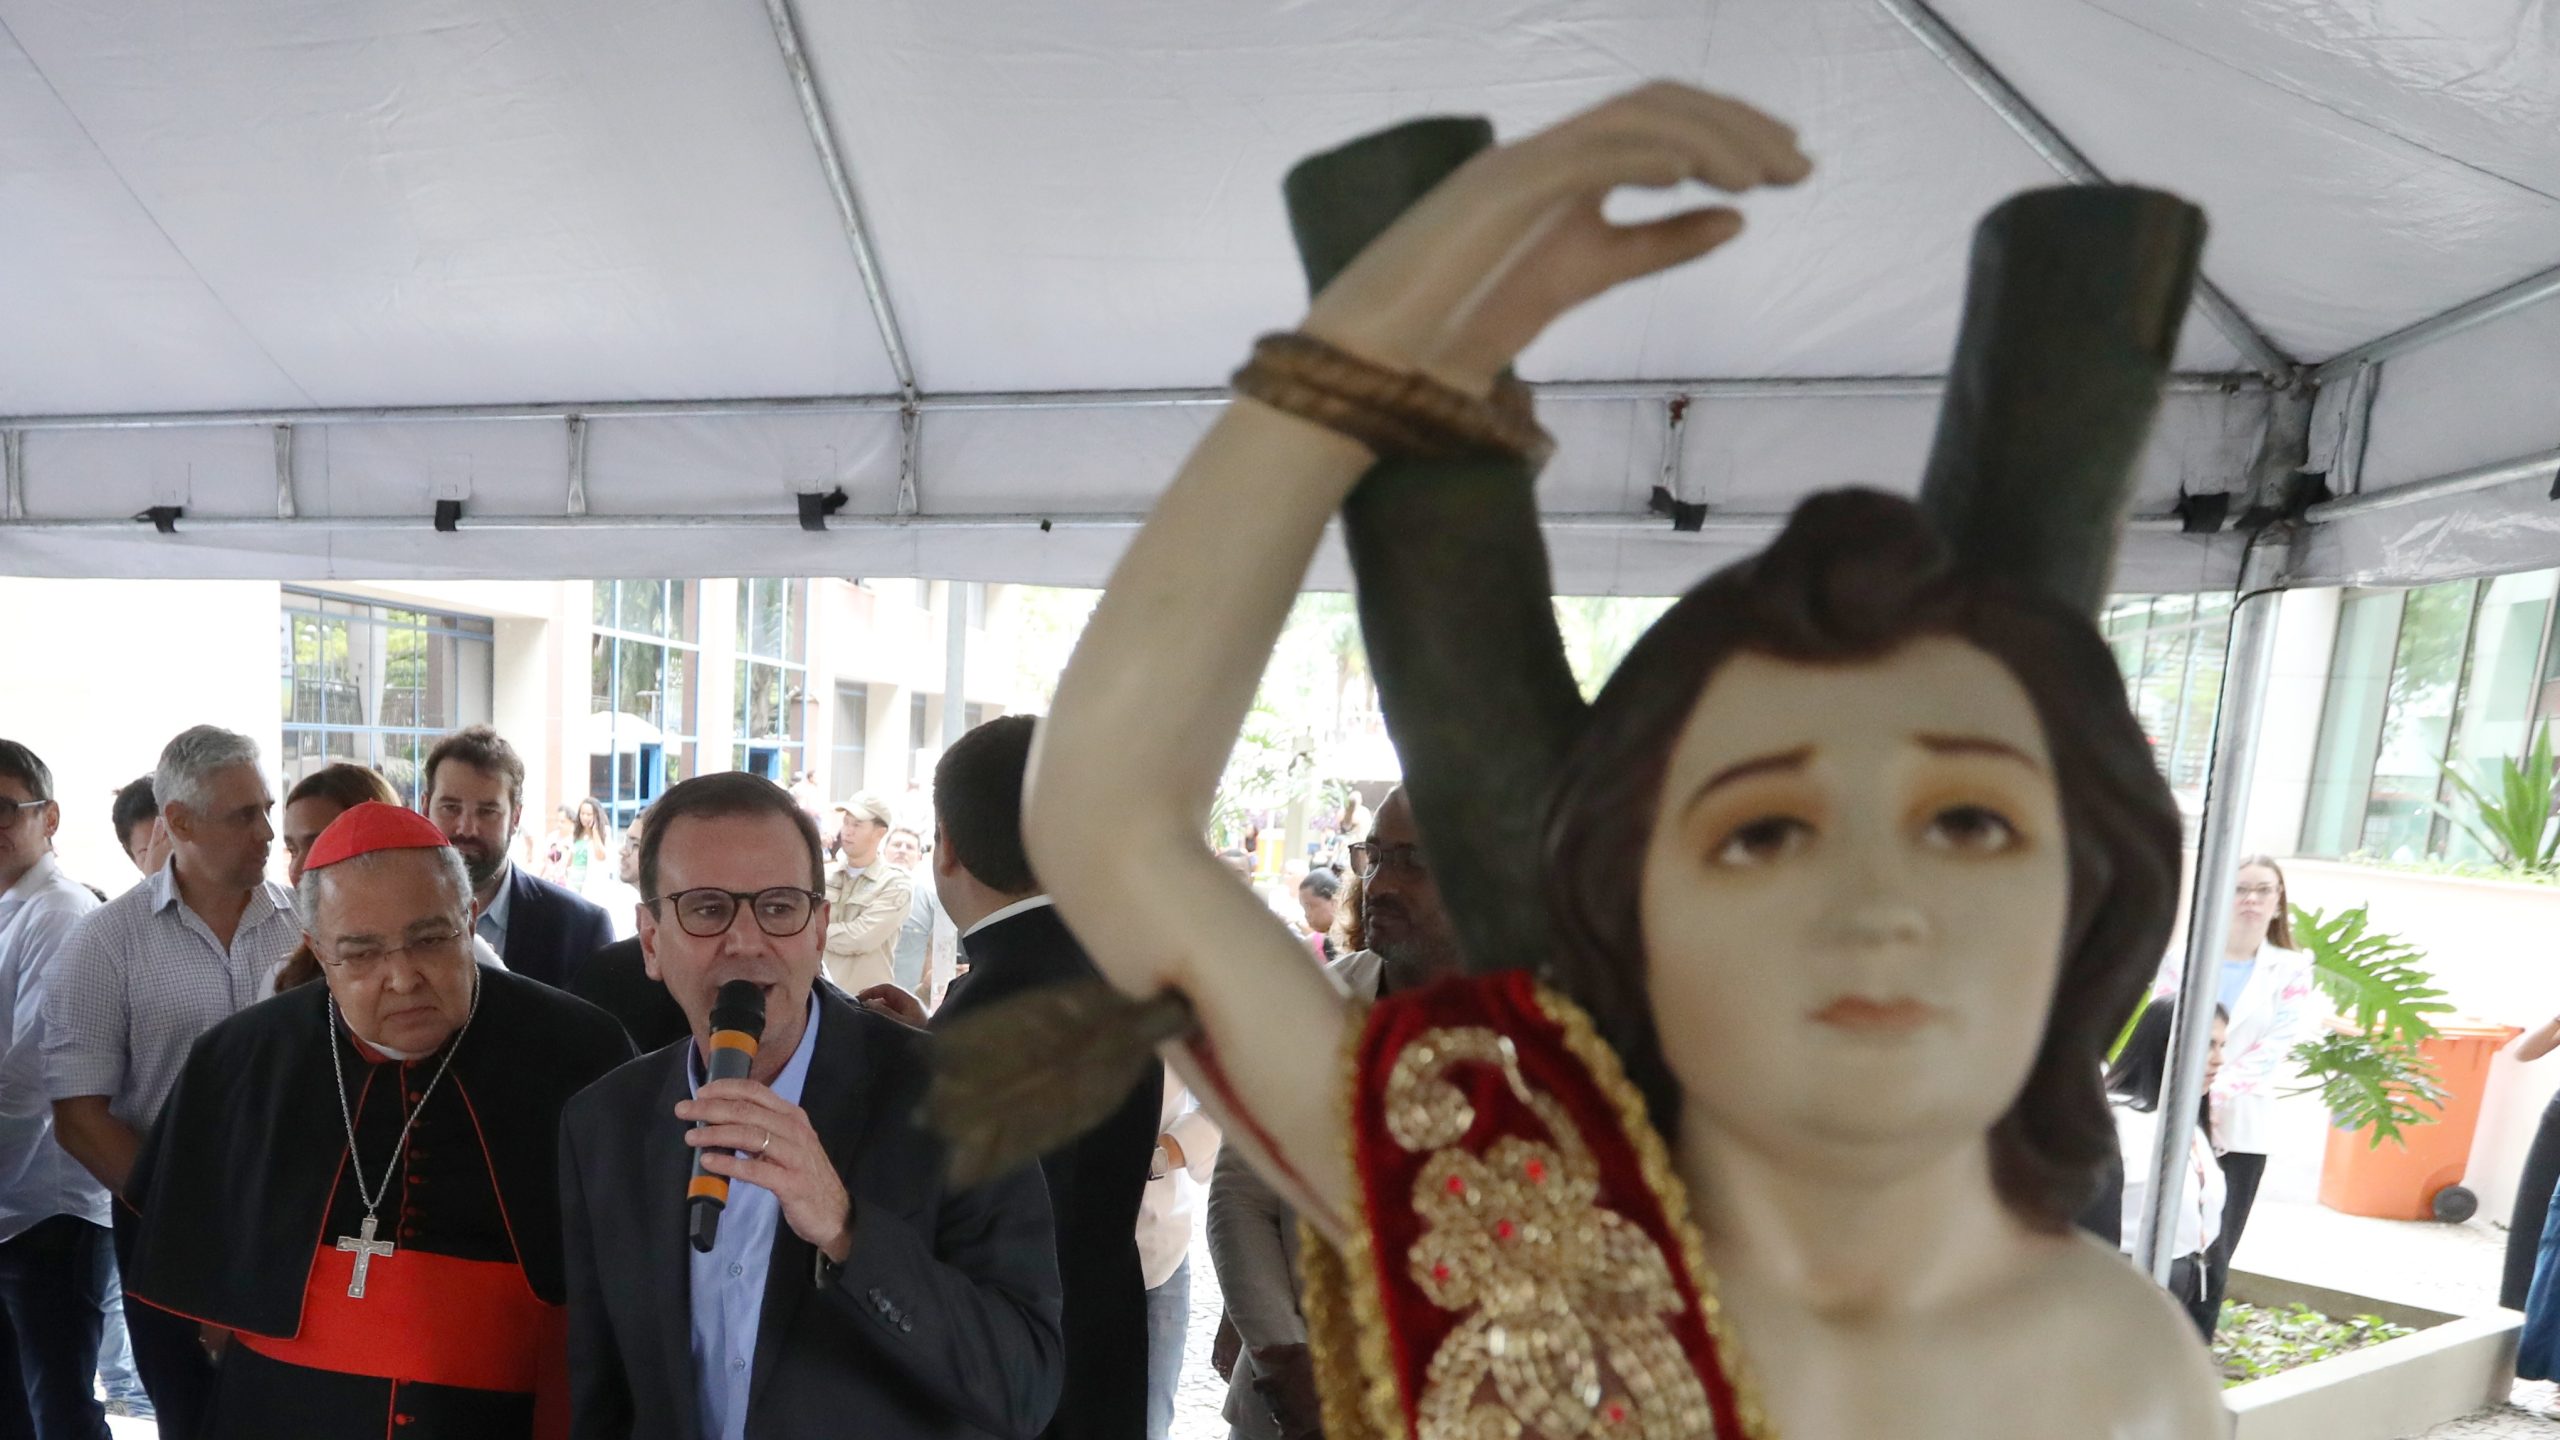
1507 1004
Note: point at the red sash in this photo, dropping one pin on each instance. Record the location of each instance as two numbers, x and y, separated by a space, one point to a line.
1521 1244
429 1319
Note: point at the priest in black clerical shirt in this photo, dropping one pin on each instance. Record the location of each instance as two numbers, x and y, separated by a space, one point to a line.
357 1179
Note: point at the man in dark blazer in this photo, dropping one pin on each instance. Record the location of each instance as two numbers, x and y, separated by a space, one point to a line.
616 978
475 794
847 1292
1014 942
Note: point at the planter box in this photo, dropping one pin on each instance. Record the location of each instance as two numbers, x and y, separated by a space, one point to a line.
2454 1365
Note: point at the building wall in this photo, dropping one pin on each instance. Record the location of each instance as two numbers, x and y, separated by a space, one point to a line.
103 672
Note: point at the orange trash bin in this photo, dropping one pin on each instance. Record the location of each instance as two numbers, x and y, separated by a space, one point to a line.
2401 1182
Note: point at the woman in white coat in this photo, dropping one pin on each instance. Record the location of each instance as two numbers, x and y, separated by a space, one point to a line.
2267 989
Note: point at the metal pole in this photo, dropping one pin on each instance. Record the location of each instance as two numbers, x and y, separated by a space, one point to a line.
577 465
2537 466
955 663
13 474
910 458
285 509
1675 427
1949 45
1820 386
2506 300
2246 670
1755 523
857 233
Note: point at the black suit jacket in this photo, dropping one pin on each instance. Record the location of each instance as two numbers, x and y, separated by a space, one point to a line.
1095 1186
942 1322
550 928
616 980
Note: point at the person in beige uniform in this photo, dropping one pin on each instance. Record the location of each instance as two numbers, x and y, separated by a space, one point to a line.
867 898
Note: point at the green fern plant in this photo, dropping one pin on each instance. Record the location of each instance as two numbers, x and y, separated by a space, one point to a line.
2373 1075
2512 817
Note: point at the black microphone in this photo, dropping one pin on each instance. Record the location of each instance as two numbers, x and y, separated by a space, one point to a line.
737 1023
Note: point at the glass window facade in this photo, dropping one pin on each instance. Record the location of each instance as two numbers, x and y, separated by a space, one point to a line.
773 678
2170 649
376 684
644 667
2457 674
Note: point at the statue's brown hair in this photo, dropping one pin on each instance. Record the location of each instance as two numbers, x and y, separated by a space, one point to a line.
1854 576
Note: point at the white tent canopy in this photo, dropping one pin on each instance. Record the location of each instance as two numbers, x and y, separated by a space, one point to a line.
624 279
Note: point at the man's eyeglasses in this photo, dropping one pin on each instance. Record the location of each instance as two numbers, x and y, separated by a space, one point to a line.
358 961
11 810
1370 857
705 914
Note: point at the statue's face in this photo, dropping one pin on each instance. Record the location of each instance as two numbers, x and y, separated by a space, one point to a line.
1853 905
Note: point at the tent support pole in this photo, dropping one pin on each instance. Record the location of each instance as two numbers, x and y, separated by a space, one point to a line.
2505 300
1949 45
955 663
857 231
13 474
1861 387
1675 425
910 451
577 465
285 509
1756 523
2537 466
2247 667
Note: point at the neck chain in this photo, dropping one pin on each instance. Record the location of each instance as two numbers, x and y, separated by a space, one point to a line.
373 1198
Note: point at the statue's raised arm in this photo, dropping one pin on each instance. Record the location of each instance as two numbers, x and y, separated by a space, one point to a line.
1150 706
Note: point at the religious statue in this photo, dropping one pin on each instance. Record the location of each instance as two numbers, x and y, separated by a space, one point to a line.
1776 1081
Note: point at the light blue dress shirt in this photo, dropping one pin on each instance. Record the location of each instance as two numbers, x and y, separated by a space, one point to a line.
728 1282
493 921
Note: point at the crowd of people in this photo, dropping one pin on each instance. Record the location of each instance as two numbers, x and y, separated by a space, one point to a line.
368 1148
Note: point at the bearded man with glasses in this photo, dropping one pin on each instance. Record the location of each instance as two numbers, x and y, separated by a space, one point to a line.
356 1179
847 1290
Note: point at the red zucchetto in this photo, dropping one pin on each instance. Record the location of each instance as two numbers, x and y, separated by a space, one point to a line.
369 827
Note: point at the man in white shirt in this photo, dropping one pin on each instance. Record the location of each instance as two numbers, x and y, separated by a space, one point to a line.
145 975
1186 1156
56 1251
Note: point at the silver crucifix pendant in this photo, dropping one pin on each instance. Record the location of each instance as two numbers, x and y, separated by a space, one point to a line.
365 1248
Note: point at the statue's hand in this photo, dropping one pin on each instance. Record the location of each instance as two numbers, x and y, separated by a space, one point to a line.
1515 237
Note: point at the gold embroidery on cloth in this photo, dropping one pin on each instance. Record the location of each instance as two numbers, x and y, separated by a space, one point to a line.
1601 1061
1562 1304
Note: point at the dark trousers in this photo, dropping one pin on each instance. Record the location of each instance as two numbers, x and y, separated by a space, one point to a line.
2241 1173
2533 1202
2185 1285
175 1371
50 1277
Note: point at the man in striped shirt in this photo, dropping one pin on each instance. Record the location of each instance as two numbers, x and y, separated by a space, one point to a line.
142 978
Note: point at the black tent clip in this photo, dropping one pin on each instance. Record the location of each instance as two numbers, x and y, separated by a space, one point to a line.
448 514
1686 518
815 508
163 518
2202 514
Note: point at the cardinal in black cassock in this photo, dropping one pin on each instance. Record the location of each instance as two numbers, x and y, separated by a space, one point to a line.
359 1179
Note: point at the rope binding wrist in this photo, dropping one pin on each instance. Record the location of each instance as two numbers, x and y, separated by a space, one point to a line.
1397 414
